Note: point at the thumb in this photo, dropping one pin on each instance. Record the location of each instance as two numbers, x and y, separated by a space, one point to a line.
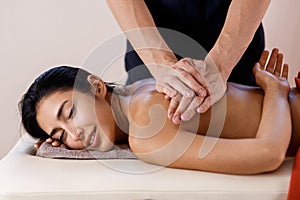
257 67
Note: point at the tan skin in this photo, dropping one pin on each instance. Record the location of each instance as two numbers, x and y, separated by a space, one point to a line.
255 137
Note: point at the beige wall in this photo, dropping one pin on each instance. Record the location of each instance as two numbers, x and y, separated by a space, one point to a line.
35 35
282 28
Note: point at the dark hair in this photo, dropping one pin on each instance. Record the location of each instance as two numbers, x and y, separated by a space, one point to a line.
60 78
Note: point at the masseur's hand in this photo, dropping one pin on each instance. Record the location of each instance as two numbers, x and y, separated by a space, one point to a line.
179 77
185 107
183 83
53 142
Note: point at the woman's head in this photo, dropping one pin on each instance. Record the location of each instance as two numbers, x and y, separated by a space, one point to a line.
69 103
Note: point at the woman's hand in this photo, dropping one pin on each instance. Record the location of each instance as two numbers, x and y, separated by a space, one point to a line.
272 74
53 142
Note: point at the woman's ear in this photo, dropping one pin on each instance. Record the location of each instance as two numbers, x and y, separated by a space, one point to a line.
98 85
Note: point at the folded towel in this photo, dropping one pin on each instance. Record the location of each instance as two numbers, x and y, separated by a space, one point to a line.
118 152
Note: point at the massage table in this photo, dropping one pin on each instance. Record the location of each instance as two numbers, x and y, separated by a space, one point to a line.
25 176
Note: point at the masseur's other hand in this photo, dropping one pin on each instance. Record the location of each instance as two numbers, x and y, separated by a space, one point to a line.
53 142
183 107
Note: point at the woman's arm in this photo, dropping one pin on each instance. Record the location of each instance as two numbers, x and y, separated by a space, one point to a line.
175 147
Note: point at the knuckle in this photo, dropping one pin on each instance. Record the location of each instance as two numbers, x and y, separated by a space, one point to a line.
194 70
182 61
174 67
173 80
179 111
184 73
172 108
198 100
186 61
158 88
177 98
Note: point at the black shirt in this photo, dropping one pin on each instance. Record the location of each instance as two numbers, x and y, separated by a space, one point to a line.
181 21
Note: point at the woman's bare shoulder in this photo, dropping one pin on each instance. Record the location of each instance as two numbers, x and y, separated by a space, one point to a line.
143 100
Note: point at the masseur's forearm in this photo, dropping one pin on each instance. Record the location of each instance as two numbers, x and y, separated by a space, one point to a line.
136 21
242 21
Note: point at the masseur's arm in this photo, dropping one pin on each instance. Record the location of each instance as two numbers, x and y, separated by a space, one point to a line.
137 23
180 149
242 21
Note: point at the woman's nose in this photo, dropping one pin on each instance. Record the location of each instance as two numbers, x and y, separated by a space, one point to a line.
75 133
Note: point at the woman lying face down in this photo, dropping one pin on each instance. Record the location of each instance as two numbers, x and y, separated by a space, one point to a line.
81 111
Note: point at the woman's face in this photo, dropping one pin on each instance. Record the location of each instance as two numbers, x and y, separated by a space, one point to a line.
79 120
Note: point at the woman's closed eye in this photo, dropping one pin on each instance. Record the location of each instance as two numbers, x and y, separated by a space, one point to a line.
71 114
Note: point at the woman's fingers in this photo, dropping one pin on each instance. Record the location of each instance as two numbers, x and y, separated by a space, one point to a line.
49 140
38 144
278 66
55 143
285 71
297 80
63 146
275 63
272 60
263 59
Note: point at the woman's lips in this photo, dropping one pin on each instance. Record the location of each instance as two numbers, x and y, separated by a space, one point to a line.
92 138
